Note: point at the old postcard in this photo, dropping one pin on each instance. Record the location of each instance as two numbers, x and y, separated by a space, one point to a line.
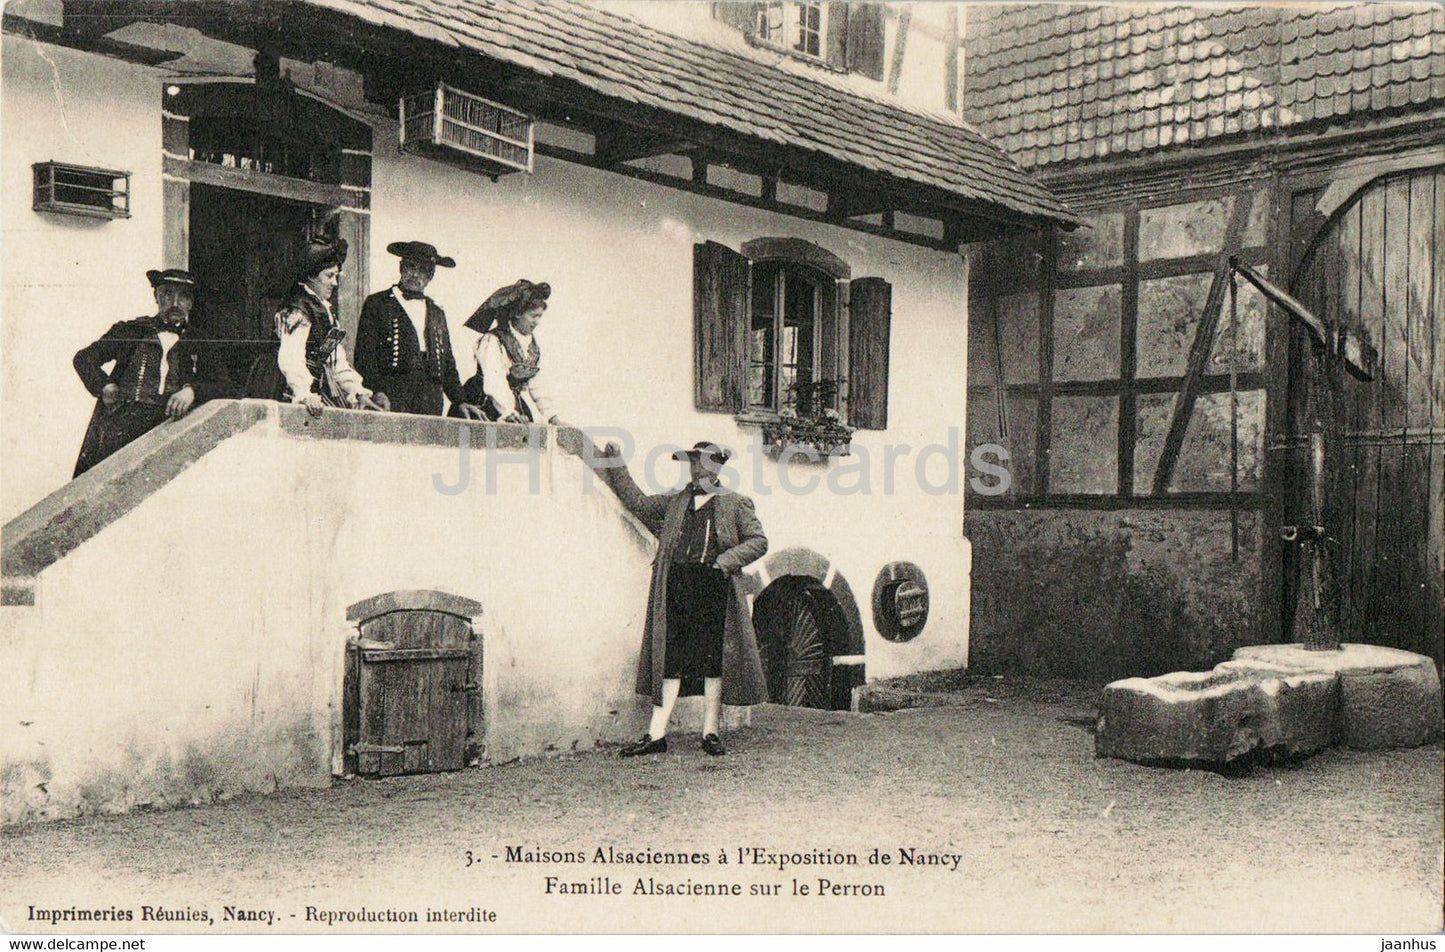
495 467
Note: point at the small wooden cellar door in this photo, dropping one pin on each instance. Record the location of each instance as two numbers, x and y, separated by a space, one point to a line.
412 696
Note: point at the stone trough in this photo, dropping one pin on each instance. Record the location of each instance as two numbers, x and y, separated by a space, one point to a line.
1280 700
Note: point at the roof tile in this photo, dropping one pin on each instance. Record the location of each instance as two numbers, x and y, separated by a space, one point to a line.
624 60
1248 66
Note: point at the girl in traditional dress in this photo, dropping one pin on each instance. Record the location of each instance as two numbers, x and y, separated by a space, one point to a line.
508 358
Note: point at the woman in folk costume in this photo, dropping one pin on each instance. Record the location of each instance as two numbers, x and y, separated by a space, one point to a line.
508 358
698 630
310 365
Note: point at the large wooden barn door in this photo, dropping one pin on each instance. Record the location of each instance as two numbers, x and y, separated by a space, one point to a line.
1378 268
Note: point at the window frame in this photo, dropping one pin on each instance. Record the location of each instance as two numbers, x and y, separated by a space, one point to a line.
782 272
790 35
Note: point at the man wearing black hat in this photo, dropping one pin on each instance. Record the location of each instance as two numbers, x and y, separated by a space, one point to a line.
156 371
698 629
403 344
310 365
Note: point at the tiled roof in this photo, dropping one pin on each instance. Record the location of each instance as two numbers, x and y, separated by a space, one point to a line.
1056 84
625 60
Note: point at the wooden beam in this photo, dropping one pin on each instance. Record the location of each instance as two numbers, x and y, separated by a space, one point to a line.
698 185
1249 502
615 146
1200 350
59 36
278 186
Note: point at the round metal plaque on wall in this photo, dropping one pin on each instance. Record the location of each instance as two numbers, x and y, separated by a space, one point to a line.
900 601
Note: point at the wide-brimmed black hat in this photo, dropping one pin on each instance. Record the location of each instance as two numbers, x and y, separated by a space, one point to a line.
506 303
704 448
320 254
171 276
420 251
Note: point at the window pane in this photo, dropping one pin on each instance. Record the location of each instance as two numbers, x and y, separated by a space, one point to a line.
1084 448
790 345
760 385
810 17
770 22
760 347
760 341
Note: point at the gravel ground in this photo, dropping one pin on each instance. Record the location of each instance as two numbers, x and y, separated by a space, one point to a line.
999 774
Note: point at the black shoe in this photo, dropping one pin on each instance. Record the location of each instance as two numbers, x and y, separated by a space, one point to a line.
645 746
713 745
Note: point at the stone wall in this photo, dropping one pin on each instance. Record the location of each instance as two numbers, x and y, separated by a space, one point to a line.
1105 595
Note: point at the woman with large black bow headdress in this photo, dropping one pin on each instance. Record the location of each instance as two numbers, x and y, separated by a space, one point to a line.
508 358
309 365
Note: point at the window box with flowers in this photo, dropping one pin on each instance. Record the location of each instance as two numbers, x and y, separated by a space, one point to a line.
810 423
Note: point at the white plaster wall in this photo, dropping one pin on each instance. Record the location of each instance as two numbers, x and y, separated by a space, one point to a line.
617 338
66 279
195 647
618 351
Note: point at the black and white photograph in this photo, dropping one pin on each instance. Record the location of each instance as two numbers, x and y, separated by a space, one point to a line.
667 467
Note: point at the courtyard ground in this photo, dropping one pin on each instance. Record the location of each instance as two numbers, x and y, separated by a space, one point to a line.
996 776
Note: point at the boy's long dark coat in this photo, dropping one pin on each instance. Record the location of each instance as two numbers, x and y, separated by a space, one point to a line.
741 541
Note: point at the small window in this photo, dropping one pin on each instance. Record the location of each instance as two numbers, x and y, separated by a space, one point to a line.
79 190
799 27
848 37
809 36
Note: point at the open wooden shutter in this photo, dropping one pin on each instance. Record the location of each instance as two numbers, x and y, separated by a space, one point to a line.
870 317
866 39
720 280
739 16
837 40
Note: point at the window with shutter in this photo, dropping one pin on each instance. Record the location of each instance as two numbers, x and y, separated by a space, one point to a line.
870 317
770 333
813 30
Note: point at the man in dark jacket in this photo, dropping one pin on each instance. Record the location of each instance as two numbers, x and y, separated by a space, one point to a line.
157 371
698 629
403 343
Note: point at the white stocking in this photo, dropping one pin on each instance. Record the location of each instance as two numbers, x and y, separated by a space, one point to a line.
662 713
712 705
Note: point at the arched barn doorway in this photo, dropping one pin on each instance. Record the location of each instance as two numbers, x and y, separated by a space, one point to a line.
801 630
1375 269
